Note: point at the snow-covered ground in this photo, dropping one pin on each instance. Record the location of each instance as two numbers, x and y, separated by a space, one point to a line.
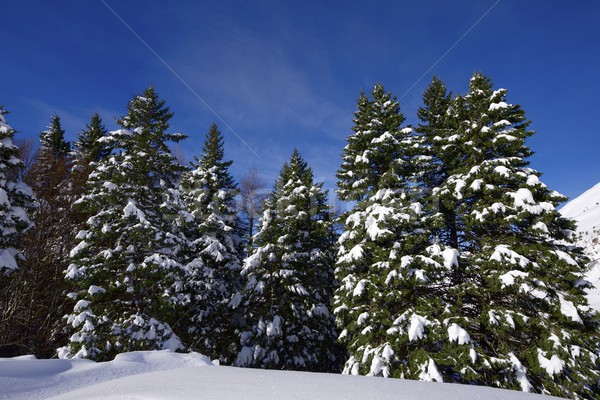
155 375
585 209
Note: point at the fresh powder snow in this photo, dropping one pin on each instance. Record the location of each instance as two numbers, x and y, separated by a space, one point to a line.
585 210
157 375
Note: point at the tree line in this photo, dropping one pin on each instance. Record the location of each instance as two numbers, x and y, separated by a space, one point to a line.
452 264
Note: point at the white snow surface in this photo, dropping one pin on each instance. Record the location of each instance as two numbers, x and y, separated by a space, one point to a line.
585 210
156 375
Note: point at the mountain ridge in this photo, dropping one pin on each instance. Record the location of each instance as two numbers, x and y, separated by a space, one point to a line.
585 210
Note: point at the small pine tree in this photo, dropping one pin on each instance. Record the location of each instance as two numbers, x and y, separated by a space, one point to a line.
208 191
289 279
90 145
16 201
50 171
129 282
53 139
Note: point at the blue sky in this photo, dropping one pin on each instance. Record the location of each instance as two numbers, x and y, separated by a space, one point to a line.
285 74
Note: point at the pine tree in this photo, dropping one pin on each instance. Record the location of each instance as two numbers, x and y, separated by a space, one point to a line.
440 155
519 318
50 171
90 145
16 201
125 265
47 246
289 279
53 139
364 162
385 262
208 190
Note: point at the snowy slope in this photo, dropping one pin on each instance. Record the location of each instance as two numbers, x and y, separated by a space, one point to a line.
165 375
585 209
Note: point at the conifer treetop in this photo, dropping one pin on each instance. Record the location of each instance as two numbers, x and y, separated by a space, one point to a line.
91 143
375 147
53 139
147 114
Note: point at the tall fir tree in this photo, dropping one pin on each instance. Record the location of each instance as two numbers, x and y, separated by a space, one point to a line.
16 201
519 318
126 264
209 192
440 155
385 262
289 279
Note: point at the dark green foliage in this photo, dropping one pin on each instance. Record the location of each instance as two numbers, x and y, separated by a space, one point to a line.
478 282
385 263
91 143
125 265
289 279
365 162
53 140
214 258
518 279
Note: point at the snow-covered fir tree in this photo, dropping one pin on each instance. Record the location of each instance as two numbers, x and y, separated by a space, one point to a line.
91 146
517 316
289 279
214 264
385 262
16 201
126 264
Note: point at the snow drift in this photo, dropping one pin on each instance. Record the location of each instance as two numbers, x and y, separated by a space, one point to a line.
166 375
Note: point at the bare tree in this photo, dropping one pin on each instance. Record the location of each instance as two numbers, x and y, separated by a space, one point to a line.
27 155
251 198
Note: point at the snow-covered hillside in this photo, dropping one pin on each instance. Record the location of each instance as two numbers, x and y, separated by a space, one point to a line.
166 375
585 209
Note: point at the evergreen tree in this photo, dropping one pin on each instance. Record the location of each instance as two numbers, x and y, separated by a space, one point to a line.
51 168
16 201
125 266
519 318
53 139
208 190
365 162
385 262
440 155
90 145
289 279
47 246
